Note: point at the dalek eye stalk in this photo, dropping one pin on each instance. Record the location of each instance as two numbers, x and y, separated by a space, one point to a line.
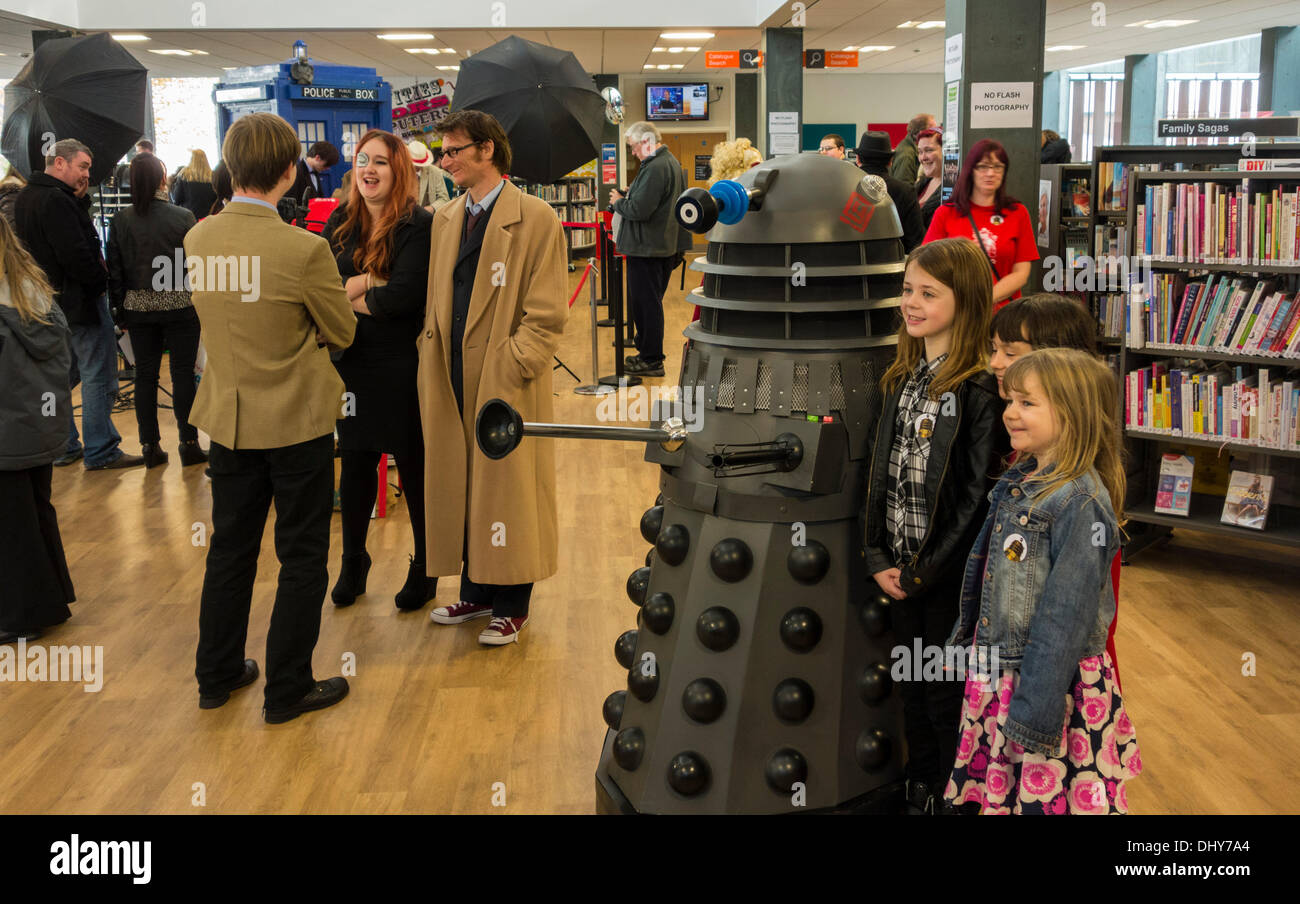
759 669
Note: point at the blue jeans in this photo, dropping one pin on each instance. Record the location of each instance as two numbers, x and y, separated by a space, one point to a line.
94 365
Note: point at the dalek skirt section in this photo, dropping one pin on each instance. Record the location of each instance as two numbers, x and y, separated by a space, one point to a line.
758 673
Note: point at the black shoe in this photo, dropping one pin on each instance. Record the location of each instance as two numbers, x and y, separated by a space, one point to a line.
249 676
15 636
153 455
192 453
69 458
417 590
631 360
122 461
920 802
352 579
643 368
325 693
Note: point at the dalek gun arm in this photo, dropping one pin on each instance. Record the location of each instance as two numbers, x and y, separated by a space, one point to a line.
499 429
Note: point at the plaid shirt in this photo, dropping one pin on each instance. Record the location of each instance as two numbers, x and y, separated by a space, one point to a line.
905 511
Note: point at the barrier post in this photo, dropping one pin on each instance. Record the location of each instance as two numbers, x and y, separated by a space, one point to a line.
596 387
618 378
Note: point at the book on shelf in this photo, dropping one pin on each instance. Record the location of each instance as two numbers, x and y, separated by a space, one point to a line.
1174 492
1219 222
1215 402
1113 181
1110 314
1078 197
1246 504
1221 313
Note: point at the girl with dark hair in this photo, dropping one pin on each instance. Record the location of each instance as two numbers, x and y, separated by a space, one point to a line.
155 305
981 210
380 240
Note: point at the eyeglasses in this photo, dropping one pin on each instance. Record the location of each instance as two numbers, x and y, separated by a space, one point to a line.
990 168
451 152
827 149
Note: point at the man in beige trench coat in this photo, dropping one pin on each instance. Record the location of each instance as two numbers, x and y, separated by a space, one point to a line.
497 306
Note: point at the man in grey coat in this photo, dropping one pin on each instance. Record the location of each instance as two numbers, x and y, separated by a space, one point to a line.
651 240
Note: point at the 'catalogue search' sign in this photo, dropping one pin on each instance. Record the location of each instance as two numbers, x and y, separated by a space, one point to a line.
1001 105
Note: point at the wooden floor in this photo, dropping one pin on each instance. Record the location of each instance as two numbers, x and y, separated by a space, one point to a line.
435 721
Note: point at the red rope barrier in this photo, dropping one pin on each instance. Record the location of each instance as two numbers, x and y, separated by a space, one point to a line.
581 225
581 283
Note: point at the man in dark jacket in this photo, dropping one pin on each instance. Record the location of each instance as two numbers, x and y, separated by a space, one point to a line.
52 218
1055 148
320 157
652 241
903 164
873 157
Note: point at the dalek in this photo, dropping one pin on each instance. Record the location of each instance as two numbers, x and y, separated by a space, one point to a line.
758 671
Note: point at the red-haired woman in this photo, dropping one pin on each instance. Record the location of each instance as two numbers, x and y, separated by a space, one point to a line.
981 209
380 239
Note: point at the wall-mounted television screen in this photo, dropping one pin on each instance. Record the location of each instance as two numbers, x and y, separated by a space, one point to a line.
676 102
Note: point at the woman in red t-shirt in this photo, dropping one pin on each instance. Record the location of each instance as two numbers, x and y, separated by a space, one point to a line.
980 206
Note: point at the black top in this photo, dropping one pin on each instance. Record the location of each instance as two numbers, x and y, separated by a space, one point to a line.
196 197
55 226
380 365
928 206
904 198
136 247
1057 151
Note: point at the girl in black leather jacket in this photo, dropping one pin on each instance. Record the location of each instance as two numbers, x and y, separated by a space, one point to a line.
936 455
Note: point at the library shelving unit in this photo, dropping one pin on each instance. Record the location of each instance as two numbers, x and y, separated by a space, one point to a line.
574 200
1214 340
1107 222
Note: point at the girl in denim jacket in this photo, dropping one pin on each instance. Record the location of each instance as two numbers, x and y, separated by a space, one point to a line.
1044 729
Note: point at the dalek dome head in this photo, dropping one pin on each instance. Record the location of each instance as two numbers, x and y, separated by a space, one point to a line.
799 198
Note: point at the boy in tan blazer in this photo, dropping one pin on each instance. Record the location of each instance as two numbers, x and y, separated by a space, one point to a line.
267 295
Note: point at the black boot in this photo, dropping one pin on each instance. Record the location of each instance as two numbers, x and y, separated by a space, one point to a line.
352 579
153 455
417 590
192 453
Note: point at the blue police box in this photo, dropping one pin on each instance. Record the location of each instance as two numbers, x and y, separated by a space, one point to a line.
323 101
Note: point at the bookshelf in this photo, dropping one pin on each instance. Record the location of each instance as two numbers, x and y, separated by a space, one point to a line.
574 200
1071 204
1211 352
1110 213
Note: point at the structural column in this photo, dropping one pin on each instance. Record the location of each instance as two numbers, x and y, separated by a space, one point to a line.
782 83
997 94
1279 70
1141 98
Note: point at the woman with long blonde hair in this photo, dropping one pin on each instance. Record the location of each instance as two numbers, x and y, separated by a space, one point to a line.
193 189
380 240
34 365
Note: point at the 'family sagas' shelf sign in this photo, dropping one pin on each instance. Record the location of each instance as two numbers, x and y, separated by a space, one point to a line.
1001 105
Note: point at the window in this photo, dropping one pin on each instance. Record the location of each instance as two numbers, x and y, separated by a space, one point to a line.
1213 95
309 133
350 136
1096 112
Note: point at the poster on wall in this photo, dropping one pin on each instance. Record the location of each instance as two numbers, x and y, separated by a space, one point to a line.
951 136
1044 212
418 108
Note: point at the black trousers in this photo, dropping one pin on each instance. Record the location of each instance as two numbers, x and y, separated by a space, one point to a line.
507 600
359 485
36 588
931 709
300 480
181 338
647 279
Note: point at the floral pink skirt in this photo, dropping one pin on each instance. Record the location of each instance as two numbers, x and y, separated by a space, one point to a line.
1098 752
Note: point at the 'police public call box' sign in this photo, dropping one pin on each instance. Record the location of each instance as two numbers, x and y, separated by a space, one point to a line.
1264 127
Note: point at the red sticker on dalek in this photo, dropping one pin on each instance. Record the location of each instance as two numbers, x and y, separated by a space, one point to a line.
857 212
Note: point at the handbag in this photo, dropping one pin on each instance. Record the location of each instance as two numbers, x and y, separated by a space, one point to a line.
979 242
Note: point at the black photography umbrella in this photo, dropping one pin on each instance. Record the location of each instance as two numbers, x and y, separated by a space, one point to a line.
90 89
548 105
